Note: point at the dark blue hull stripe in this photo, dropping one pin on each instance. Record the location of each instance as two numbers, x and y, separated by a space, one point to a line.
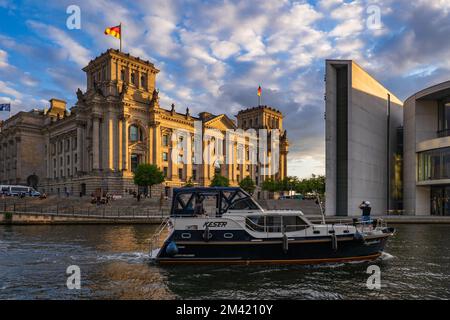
244 249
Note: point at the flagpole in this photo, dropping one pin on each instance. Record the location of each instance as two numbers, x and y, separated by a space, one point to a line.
120 37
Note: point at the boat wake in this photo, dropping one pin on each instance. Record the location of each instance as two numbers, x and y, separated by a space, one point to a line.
386 256
131 257
154 254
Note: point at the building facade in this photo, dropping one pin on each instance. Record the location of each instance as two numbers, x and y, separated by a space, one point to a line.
118 124
363 144
427 151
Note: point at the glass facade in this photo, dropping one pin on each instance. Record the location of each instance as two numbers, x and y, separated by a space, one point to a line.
434 164
440 200
444 118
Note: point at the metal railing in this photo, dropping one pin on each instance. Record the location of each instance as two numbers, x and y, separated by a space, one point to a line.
362 226
156 237
87 211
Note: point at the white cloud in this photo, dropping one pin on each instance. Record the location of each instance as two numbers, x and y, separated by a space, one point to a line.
3 59
327 4
224 49
7 89
346 11
69 48
214 54
350 27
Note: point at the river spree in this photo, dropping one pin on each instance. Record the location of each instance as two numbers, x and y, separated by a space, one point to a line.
114 264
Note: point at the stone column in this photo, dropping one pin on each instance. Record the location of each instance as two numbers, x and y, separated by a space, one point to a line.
205 167
120 143
150 144
79 163
173 165
124 143
157 144
115 143
95 142
106 142
49 157
189 154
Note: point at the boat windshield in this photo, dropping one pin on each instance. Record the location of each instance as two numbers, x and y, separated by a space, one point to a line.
212 202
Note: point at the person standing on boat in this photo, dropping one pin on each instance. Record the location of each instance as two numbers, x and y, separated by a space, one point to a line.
365 209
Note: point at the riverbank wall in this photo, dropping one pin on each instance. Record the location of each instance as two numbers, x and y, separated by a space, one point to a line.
26 218
16 218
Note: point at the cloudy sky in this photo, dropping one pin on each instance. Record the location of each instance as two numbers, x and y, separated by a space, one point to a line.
214 54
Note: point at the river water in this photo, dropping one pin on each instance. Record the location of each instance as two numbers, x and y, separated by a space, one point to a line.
114 264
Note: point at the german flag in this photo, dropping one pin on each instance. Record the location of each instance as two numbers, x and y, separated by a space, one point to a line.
114 31
259 91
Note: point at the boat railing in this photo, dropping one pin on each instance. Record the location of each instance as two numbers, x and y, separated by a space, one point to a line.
362 226
156 237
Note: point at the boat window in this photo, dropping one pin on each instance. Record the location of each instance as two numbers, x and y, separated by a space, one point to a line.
273 223
294 223
228 235
244 204
255 223
186 235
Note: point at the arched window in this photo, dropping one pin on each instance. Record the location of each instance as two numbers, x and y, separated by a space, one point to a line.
135 160
217 170
134 133
144 82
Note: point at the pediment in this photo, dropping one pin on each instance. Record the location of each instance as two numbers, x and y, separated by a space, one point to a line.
221 122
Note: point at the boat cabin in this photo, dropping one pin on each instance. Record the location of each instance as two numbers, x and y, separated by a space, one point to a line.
212 201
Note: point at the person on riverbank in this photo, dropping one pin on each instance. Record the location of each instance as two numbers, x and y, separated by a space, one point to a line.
365 211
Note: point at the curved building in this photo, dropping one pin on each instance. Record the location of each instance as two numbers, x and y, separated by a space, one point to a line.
427 151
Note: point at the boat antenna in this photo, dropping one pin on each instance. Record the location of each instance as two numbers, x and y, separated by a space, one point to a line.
319 203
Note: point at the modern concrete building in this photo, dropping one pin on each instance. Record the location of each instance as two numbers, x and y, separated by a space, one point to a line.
118 123
427 151
363 144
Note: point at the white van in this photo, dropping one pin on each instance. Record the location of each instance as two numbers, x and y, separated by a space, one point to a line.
15 190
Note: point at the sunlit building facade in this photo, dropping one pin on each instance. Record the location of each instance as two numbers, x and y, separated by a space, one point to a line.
117 124
427 151
363 142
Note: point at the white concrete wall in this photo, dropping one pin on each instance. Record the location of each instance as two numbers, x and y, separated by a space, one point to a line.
409 157
330 140
367 139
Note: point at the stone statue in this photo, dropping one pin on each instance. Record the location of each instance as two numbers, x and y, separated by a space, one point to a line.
155 96
80 95
124 89
173 108
97 89
187 112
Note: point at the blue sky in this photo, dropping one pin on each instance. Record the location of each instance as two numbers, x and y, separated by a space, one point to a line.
214 54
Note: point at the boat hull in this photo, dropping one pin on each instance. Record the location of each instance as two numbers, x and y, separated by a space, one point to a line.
272 251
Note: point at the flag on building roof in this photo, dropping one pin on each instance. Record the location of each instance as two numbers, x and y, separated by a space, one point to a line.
5 106
114 31
259 91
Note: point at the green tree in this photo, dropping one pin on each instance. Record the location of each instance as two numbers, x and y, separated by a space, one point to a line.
271 185
220 181
248 184
288 184
148 175
313 184
189 183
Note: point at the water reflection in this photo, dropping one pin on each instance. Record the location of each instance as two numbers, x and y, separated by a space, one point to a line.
115 265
